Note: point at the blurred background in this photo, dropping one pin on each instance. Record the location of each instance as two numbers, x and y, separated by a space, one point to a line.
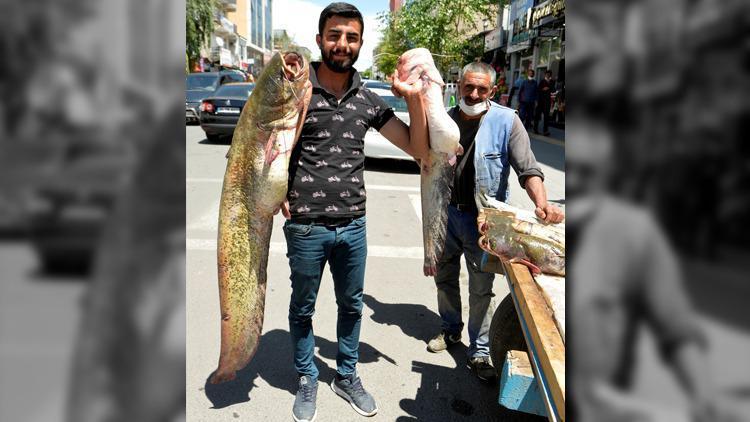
657 172
92 210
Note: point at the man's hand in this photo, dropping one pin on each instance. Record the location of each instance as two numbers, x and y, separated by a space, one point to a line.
403 89
549 213
284 207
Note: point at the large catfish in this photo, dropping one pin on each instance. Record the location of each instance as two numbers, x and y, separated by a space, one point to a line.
437 173
255 184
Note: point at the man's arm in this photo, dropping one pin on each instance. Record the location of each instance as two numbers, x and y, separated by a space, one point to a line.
530 175
414 138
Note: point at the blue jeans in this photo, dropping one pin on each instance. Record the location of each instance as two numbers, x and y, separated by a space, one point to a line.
461 238
309 247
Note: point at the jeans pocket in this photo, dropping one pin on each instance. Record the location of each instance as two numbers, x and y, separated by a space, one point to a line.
297 229
359 222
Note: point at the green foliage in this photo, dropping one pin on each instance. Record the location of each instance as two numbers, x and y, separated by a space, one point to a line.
199 24
442 26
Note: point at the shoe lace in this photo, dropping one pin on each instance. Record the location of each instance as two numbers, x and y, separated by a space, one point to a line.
307 391
357 387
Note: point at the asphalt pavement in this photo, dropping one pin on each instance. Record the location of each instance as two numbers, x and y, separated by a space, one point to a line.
399 317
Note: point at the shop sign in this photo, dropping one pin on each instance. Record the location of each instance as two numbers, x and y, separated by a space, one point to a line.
547 11
520 16
493 39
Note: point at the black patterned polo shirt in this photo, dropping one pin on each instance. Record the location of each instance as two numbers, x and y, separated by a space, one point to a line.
326 170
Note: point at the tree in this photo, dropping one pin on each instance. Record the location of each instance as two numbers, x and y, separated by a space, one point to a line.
442 26
199 24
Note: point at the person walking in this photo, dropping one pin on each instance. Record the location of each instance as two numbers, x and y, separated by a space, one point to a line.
544 103
528 93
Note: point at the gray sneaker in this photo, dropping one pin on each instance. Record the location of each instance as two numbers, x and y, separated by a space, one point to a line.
351 389
304 403
481 366
442 341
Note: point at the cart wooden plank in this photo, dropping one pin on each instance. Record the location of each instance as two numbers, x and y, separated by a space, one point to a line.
541 332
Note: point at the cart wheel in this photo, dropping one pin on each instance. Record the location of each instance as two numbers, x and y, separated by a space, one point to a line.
505 333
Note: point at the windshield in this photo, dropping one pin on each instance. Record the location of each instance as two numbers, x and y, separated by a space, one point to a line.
243 90
397 104
200 82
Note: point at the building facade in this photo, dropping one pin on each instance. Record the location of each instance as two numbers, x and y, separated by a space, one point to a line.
243 35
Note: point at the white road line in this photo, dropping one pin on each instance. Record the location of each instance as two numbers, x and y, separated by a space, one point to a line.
393 188
416 202
207 221
377 251
368 187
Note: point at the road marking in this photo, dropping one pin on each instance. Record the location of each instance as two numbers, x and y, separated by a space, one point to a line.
368 187
208 221
393 188
376 251
416 202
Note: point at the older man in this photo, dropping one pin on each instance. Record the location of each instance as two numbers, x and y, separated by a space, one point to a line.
494 140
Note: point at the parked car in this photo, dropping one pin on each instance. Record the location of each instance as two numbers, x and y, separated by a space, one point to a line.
376 146
220 112
372 83
200 85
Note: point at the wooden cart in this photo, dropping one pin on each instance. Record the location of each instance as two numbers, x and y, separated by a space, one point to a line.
526 345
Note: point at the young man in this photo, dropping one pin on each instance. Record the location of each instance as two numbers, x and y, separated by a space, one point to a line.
487 130
326 201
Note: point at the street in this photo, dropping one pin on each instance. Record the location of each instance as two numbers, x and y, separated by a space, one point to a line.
399 317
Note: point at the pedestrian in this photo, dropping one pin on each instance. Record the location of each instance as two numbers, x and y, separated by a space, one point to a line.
487 130
516 84
528 93
544 103
325 206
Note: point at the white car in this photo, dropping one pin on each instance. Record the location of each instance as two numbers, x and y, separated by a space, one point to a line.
376 146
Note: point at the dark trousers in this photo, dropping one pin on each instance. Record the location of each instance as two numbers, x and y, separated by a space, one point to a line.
526 112
542 110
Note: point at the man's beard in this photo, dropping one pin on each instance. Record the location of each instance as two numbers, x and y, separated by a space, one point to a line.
338 67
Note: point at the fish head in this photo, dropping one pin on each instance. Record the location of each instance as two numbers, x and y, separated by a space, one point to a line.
281 87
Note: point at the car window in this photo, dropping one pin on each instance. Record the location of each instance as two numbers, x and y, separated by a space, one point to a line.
397 104
243 90
378 85
201 82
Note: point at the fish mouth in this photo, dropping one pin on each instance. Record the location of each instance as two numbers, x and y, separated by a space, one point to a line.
293 66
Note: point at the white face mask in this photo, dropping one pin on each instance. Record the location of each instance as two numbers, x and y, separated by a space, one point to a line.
473 110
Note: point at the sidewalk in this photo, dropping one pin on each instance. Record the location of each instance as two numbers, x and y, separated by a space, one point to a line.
556 137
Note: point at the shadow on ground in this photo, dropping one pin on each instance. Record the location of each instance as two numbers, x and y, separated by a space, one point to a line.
416 321
273 363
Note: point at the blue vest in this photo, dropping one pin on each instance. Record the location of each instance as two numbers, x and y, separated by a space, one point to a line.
491 152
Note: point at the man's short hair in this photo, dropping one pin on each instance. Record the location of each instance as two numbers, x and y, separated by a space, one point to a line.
479 67
339 9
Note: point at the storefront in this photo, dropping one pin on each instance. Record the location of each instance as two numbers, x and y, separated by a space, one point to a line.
548 24
520 40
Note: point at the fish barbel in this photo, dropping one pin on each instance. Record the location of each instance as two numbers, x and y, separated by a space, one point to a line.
255 185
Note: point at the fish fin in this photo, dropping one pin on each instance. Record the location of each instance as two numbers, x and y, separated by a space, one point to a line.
533 268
